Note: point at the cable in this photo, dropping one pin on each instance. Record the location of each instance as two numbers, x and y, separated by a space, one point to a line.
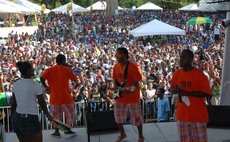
99 138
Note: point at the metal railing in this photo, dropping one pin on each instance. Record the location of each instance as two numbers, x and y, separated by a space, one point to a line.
149 112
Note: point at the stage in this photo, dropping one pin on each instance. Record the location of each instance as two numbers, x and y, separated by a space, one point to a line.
153 132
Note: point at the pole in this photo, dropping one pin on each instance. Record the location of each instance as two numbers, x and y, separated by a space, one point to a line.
225 87
72 19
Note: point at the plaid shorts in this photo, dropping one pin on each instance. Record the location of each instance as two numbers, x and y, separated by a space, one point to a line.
192 131
68 109
121 111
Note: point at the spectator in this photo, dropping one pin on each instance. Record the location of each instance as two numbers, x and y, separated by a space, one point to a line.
163 108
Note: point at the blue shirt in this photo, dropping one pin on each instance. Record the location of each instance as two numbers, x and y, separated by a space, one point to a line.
163 109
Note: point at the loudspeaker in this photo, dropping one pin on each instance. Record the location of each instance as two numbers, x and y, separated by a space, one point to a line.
219 116
99 121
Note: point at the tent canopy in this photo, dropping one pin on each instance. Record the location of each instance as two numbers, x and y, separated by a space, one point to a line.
214 7
31 5
190 7
15 8
75 8
99 5
156 27
149 6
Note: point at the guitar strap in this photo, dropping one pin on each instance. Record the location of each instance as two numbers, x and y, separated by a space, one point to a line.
125 75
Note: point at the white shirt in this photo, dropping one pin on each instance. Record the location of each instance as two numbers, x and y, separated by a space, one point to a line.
150 94
26 91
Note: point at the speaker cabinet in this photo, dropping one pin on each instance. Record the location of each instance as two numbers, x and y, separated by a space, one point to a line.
219 116
99 121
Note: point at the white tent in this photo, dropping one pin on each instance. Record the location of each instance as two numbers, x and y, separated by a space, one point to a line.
17 8
100 5
8 9
31 5
149 6
214 7
156 27
190 7
75 8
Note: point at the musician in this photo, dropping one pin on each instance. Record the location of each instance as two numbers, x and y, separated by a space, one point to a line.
56 80
127 75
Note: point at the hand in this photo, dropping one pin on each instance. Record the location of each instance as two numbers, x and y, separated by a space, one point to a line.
47 90
50 117
132 88
176 89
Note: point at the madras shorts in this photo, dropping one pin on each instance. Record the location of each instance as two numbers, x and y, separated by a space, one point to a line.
192 131
68 109
121 111
26 124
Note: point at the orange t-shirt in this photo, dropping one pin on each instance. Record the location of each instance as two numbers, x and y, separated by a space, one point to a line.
133 76
193 80
58 78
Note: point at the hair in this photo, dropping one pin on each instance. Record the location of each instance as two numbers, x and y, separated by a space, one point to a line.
123 51
189 53
23 67
161 88
60 59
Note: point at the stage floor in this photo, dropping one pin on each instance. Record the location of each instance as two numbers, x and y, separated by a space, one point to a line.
153 132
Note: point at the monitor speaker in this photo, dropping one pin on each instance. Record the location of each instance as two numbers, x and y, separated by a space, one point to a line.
219 116
99 121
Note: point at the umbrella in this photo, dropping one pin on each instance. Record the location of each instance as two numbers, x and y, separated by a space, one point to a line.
199 20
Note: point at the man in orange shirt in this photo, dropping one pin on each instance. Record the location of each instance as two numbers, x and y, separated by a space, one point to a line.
56 81
192 86
130 93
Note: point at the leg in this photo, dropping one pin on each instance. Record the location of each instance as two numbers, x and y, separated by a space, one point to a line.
183 131
35 137
199 132
120 114
70 113
57 114
21 138
122 132
140 132
137 119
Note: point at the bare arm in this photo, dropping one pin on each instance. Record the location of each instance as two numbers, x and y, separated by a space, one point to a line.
43 105
194 93
13 103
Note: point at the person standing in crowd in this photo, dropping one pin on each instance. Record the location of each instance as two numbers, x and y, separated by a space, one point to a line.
193 87
130 93
56 81
24 110
163 106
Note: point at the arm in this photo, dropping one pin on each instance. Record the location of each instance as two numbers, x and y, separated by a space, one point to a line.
43 105
43 81
13 106
193 93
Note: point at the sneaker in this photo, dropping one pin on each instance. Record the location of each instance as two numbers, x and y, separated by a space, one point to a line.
70 132
56 134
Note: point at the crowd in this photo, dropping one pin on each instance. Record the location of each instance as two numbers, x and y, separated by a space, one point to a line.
90 44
